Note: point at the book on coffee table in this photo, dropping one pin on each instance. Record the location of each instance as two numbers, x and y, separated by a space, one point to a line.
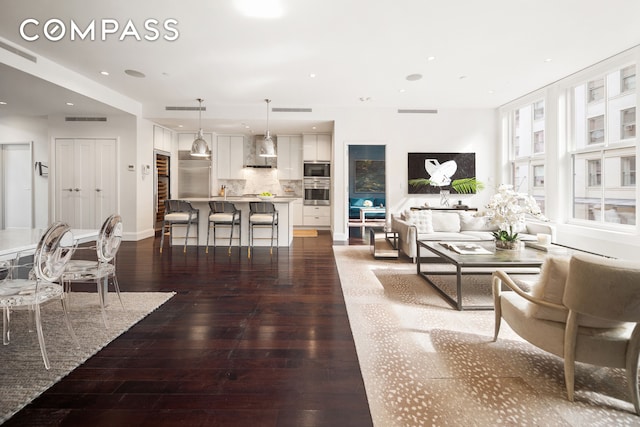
466 248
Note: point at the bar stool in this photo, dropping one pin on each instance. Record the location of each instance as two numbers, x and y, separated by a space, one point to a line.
179 212
265 215
223 214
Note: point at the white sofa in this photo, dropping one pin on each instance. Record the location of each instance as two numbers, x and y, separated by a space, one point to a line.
452 225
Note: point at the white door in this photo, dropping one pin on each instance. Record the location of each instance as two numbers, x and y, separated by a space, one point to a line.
85 187
17 186
105 180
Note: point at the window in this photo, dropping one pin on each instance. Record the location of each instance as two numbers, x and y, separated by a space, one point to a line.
604 148
538 110
628 169
596 130
628 79
538 142
527 150
538 176
628 123
596 90
594 171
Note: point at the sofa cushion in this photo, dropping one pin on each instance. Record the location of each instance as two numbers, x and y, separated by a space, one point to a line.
550 287
447 236
422 219
448 222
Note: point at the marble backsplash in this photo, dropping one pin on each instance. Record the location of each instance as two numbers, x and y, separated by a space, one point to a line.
260 180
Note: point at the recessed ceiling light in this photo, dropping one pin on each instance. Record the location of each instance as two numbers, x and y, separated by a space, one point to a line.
3 103
70 104
104 73
548 60
414 77
180 126
402 90
134 73
312 75
431 58
492 91
313 128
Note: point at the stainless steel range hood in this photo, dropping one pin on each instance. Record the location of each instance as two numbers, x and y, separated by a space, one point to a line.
253 158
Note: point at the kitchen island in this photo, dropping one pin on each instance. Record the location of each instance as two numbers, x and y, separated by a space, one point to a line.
262 236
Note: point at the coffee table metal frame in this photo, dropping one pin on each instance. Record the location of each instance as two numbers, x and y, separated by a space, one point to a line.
524 259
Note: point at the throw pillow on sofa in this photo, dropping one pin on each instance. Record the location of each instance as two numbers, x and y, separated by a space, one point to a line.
471 222
448 222
422 219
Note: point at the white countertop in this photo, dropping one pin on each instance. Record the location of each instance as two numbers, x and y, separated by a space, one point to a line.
277 199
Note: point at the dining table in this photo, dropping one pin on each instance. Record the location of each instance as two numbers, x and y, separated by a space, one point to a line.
24 241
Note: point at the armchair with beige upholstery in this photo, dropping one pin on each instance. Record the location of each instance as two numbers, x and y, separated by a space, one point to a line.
585 308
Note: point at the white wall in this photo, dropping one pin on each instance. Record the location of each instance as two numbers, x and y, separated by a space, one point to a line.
26 129
447 131
124 129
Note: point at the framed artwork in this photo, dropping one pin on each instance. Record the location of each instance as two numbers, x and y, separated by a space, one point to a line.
429 173
369 176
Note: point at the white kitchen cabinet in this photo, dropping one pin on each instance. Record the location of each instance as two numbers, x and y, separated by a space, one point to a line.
316 216
316 147
162 138
289 156
185 140
298 216
230 156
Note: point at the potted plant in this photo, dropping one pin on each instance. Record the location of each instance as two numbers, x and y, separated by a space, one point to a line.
507 209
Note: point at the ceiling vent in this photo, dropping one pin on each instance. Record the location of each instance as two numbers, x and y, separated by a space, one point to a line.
415 111
291 110
18 52
85 119
185 108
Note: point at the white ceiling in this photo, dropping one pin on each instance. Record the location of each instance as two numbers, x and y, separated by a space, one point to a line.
486 53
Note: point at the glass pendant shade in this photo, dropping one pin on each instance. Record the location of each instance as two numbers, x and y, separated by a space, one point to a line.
199 148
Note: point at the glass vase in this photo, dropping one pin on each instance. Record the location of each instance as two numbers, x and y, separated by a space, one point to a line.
509 245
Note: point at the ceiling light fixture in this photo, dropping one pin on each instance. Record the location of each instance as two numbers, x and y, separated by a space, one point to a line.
267 146
199 147
104 73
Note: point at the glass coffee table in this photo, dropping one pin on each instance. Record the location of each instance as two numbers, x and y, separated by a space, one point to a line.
478 257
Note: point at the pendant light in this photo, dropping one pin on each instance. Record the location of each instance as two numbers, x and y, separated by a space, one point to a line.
267 146
199 148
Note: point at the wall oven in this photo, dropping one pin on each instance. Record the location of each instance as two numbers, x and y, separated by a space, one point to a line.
316 191
317 170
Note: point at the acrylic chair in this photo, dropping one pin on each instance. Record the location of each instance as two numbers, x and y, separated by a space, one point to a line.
179 212
50 259
102 269
591 314
224 214
262 215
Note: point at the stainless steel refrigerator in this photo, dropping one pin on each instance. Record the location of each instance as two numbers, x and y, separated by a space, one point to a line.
194 176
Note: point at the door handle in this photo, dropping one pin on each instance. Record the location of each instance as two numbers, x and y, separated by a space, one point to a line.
67 189
98 189
76 189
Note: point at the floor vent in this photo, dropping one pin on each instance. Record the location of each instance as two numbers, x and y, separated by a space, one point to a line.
18 52
185 108
292 110
85 119
414 111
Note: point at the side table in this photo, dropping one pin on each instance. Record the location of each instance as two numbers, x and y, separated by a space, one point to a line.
383 242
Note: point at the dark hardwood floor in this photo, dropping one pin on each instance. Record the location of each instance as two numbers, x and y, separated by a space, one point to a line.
259 342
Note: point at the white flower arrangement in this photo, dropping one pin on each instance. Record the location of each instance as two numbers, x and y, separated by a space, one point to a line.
507 209
367 203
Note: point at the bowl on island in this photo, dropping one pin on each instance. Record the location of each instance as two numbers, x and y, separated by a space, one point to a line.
265 197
